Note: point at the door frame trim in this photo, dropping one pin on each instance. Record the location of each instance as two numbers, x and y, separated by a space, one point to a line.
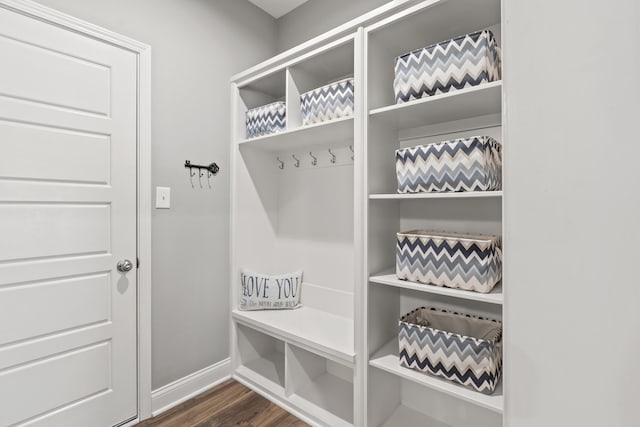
143 53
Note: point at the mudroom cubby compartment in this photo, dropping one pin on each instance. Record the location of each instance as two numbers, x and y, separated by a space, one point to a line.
320 385
386 306
328 64
384 141
261 358
481 215
395 401
422 26
292 218
257 93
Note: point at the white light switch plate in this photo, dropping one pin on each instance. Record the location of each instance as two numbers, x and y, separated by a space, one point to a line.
163 197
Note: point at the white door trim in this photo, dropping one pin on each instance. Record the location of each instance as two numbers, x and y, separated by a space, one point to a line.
143 52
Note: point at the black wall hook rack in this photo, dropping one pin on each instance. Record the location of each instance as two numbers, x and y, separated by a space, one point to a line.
213 168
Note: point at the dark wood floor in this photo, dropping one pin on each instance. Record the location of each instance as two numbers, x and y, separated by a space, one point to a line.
228 404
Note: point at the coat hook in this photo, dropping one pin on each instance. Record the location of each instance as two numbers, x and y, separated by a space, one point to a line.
352 153
201 173
315 159
281 165
191 172
333 156
297 163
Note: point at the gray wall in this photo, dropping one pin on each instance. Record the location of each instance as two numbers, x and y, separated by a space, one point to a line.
572 204
318 16
197 46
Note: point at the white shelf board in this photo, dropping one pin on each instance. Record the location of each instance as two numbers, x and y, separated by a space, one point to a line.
387 359
457 195
455 105
390 279
318 134
333 395
317 331
270 366
405 416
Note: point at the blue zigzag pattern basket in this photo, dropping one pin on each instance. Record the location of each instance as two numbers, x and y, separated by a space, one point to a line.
472 262
328 102
464 164
465 61
460 348
267 119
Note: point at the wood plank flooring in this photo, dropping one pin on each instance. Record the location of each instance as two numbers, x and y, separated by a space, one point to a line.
228 404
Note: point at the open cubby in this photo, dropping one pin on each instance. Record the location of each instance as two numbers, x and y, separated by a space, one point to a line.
256 93
331 64
387 305
326 65
384 142
396 401
427 25
314 381
261 357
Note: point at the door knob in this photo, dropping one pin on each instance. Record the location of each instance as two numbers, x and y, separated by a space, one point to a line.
124 265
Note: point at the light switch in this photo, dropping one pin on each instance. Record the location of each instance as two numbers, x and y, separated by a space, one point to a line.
163 197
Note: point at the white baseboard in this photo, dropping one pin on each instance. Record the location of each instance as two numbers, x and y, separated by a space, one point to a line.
173 394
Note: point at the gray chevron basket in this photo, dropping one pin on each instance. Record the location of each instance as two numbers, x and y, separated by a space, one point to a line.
462 62
328 102
464 164
267 119
472 262
461 348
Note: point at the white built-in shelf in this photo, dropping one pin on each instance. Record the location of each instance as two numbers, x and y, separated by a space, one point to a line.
405 416
387 359
476 101
389 279
319 134
331 395
457 195
318 331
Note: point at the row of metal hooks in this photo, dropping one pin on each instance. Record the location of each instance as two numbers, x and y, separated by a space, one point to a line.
314 159
212 169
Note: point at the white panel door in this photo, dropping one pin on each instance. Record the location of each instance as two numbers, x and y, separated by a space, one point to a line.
67 216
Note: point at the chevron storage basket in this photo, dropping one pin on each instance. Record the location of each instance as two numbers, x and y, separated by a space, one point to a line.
461 348
472 262
465 164
465 61
328 102
266 119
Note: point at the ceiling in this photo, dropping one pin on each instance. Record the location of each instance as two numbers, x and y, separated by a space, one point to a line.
277 8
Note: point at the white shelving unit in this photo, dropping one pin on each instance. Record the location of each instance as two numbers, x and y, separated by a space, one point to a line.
387 359
290 214
396 395
334 361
